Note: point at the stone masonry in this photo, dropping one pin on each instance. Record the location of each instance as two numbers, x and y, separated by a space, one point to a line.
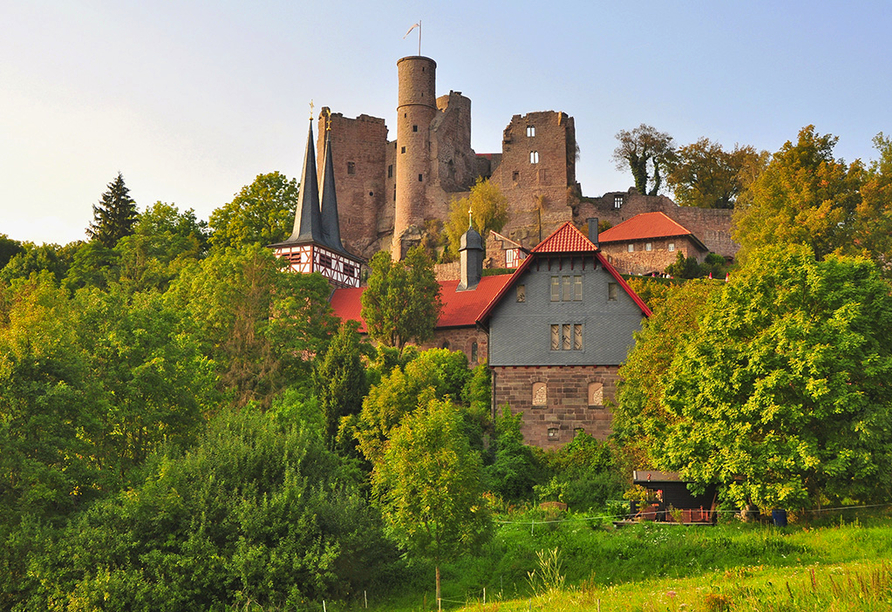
551 420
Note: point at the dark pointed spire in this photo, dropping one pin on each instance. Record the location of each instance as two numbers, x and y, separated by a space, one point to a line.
307 218
331 228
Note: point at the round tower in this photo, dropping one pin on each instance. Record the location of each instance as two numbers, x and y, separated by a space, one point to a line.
417 108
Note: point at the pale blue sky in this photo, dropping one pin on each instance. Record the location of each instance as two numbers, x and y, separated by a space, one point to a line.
191 100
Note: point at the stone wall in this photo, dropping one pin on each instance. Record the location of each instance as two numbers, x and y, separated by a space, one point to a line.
358 154
553 419
536 171
461 339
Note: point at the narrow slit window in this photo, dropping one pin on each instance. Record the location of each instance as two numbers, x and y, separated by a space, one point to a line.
555 337
555 288
568 288
567 340
577 288
577 337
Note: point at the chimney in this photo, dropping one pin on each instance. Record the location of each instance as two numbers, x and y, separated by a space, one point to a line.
471 262
593 230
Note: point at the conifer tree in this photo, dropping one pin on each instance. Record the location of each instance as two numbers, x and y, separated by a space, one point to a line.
115 215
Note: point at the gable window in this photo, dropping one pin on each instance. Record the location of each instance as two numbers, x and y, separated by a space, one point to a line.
555 337
611 292
617 202
566 288
534 157
521 293
577 337
351 168
531 131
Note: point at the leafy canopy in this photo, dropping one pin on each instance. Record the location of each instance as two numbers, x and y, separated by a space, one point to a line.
261 213
402 302
646 152
489 212
783 394
704 175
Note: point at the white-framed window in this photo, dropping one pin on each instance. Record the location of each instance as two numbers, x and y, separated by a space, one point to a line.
531 131
671 246
631 248
534 157
648 246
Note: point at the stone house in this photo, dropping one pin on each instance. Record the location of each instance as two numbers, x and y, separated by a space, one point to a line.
554 332
649 242
558 331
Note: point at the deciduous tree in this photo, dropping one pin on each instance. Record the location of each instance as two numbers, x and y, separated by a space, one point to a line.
488 208
261 213
429 486
402 302
782 396
704 175
647 153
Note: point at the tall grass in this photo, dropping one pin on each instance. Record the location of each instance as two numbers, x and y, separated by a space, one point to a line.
735 566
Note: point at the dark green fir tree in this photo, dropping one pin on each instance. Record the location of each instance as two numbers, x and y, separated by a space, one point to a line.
114 216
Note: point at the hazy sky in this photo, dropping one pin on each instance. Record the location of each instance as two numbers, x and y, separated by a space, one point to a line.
191 100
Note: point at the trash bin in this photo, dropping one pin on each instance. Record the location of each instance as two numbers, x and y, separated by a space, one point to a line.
779 517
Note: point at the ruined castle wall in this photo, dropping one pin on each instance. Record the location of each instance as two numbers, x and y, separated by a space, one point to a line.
358 154
536 172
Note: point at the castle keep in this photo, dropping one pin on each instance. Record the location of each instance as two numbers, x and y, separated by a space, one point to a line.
392 193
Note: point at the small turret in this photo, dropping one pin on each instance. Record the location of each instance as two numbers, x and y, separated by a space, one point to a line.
471 259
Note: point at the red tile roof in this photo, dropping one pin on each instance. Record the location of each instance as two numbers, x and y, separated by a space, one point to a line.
643 226
568 236
460 308
565 239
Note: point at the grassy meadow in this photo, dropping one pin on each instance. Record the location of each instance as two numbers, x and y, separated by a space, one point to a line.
580 562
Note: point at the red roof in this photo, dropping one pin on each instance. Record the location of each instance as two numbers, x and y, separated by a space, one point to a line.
644 226
565 239
574 241
460 308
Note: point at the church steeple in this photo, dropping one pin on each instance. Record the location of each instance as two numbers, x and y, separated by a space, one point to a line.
307 219
315 244
331 230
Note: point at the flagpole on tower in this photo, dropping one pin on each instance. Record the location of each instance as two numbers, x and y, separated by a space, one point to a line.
416 25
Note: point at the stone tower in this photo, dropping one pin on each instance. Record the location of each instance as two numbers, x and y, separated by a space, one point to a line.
416 110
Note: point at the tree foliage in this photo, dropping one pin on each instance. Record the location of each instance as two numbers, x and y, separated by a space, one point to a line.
402 302
804 196
647 153
430 487
115 215
704 175
488 208
782 395
257 513
261 213
259 324
339 379
640 410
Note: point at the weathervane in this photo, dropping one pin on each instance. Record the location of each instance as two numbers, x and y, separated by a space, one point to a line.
415 25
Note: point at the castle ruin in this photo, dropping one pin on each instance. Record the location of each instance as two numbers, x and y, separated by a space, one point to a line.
393 193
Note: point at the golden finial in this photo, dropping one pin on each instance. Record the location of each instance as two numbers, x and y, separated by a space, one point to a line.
312 106
470 218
